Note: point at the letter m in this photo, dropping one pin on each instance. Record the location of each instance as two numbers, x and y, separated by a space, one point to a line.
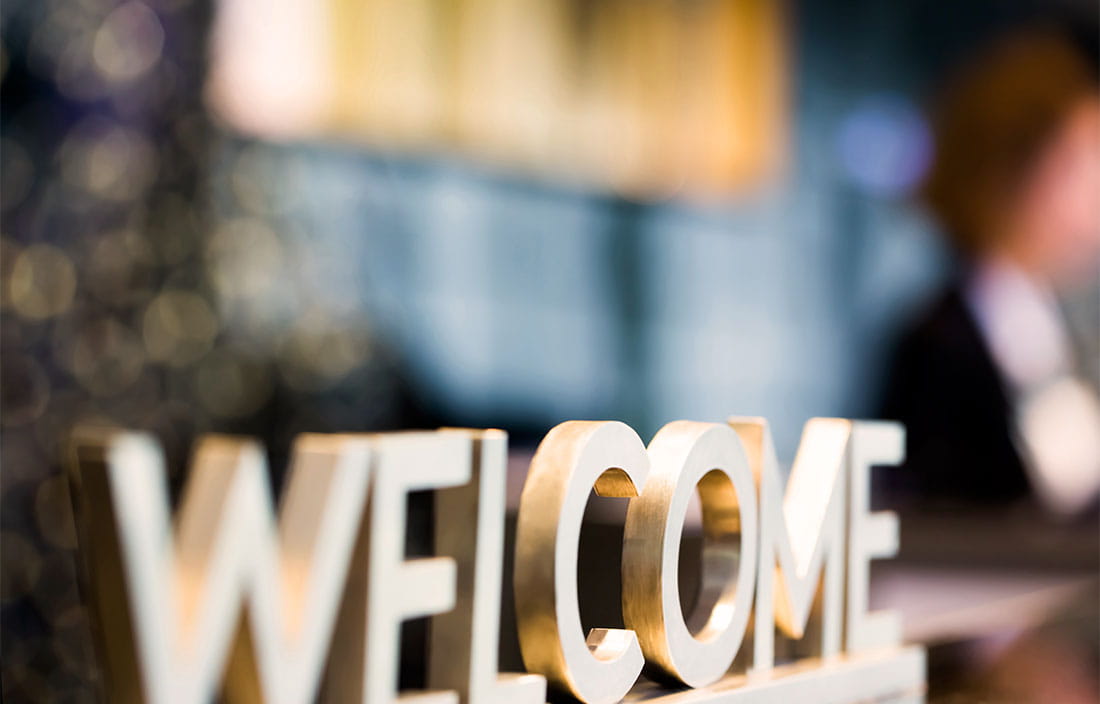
801 536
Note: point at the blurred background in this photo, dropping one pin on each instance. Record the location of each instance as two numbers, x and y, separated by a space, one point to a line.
267 218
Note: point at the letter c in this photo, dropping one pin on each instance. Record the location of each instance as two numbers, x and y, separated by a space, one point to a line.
573 458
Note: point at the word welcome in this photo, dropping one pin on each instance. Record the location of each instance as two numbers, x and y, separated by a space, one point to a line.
307 602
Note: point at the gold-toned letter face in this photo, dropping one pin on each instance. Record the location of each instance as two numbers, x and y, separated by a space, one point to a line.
685 455
469 526
384 588
870 535
801 535
169 603
573 458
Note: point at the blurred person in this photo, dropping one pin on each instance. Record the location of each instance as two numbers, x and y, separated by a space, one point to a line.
993 398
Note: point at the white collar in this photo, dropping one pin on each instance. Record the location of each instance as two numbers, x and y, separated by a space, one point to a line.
1021 324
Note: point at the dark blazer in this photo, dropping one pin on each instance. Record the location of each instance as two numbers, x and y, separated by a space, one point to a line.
943 385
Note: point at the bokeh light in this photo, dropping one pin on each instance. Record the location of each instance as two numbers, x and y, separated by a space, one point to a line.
885 145
42 282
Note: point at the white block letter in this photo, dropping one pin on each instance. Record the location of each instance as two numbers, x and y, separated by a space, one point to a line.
800 533
683 455
169 602
384 588
573 458
870 535
469 526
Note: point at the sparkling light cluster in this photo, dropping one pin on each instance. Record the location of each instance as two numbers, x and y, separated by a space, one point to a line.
148 281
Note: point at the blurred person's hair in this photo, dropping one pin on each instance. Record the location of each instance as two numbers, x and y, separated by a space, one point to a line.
993 121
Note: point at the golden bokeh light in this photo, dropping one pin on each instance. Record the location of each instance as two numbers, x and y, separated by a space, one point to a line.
42 282
128 43
178 328
245 260
119 268
106 357
108 161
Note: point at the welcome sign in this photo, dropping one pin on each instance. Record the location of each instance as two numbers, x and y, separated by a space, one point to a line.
305 603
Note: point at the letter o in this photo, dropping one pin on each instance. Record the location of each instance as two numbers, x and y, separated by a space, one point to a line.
684 455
